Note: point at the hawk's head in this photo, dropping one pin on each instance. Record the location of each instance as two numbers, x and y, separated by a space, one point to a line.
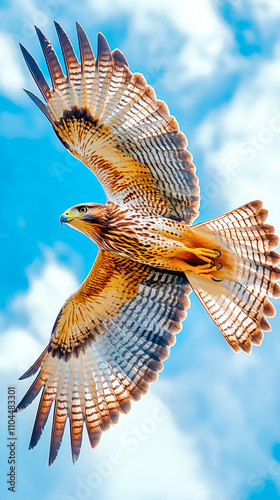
88 218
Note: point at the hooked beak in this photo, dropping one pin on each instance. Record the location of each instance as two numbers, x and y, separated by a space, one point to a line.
66 217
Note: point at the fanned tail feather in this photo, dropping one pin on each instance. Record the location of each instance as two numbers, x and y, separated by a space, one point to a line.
238 305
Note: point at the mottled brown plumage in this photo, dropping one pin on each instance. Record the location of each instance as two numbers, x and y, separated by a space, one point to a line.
112 335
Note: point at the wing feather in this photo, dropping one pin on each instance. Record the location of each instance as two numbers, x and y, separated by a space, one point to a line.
73 67
39 103
54 67
107 345
37 74
89 71
105 70
112 120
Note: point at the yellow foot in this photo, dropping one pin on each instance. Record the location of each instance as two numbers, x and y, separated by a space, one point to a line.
205 270
206 254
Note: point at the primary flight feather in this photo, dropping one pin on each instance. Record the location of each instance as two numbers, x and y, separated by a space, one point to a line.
112 334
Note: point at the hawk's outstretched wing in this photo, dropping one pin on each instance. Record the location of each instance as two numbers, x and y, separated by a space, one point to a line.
111 120
107 344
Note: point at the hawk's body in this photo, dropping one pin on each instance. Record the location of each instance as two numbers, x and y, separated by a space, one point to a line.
144 237
112 334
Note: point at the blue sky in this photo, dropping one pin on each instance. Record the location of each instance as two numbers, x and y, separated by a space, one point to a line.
210 427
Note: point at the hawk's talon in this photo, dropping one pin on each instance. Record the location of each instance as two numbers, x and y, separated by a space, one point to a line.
217 281
221 267
216 250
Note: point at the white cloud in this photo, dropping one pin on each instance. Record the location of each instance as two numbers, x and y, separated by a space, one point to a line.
146 440
18 350
214 398
264 11
228 402
240 142
223 398
205 37
48 290
240 145
12 78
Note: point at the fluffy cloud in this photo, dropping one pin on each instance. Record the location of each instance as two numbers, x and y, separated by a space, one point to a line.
264 10
134 444
11 76
48 290
146 440
175 462
202 36
240 142
225 420
39 306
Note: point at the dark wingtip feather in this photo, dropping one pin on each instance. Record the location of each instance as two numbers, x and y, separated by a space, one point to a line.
38 103
103 49
22 48
79 27
59 30
52 61
75 456
70 59
61 35
76 441
30 395
57 26
246 346
52 455
35 71
82 36
119 56
102 42
42 38
94 439
33 369
41 419
80 30
84 46
58 428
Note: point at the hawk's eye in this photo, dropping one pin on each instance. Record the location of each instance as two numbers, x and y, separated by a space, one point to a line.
82 210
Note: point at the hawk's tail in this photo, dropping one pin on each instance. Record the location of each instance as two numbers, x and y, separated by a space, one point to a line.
237 298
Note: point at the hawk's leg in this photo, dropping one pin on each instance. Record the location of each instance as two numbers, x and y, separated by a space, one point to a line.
207 270
205 254
209 256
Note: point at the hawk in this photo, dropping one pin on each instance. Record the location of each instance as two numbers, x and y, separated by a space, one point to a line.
112 335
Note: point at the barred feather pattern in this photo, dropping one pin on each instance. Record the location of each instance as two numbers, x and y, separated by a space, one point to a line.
112 120
112 335
240 312
107 345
